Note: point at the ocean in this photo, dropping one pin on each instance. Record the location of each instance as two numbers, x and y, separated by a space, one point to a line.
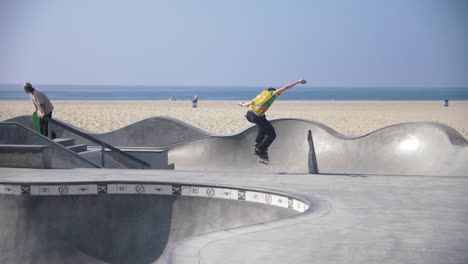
104 92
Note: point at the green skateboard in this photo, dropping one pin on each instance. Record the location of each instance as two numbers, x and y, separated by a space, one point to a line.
36 122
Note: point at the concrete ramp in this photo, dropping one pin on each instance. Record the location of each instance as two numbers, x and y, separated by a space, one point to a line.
153 132
404 149
424 148
150 132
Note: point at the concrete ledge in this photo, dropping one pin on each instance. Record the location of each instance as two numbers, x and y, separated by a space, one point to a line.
25 156
61 157
21 147
156 157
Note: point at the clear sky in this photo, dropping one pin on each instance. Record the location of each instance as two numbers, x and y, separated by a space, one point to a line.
349 43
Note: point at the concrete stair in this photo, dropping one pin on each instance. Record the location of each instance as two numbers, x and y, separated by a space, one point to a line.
92 154
64 141
78 148
157 158
70 144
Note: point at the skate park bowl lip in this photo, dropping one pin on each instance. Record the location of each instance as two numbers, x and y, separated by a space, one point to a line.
302 207
214 191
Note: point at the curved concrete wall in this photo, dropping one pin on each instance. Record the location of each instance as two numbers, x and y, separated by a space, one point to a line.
404 149
125 222
150 132
424 148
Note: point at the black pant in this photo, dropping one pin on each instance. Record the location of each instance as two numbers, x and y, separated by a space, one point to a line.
44 124
266 132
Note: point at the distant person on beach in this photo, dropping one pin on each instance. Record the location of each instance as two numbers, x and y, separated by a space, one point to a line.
43 104
256 114
195 101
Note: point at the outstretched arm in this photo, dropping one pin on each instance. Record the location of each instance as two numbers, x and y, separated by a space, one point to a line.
244 104
291 85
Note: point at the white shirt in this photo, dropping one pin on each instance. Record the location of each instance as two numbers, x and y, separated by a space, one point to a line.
39 98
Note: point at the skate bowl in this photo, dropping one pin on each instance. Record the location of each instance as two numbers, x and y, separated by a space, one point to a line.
134 222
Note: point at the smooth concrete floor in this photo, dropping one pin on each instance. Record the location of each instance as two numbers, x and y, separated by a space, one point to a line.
371 218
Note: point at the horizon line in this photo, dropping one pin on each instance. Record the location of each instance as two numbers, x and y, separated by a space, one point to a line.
242 86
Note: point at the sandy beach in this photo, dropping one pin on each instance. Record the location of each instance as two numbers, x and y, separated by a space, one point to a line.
226 117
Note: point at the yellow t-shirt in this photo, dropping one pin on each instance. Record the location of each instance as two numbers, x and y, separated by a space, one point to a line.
263 101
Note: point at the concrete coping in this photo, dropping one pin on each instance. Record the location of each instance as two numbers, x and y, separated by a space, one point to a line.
23 147
133 149
267 197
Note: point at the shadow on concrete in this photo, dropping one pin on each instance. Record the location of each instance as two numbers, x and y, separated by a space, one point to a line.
114 228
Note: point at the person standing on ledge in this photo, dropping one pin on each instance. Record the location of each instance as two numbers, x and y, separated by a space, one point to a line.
256 114
43 104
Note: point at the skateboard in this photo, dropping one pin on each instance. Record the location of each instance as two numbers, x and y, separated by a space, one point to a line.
36 122
263 161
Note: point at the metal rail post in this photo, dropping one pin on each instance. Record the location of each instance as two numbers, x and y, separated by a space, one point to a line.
103 156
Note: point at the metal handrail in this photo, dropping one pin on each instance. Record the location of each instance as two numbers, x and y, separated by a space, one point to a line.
97 141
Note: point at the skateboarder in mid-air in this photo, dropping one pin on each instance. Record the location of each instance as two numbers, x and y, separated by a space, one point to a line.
256 114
